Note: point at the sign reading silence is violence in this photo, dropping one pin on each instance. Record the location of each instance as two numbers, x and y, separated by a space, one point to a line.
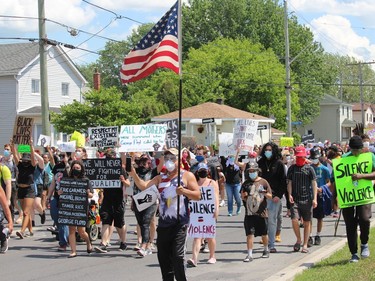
353 193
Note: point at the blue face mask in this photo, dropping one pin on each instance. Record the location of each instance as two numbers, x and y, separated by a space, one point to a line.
199 158
268 154
253 175
7 153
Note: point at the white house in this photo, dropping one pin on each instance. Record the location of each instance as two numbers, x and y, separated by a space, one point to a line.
20 85
368 112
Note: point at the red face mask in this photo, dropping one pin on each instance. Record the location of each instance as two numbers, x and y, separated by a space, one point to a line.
300 161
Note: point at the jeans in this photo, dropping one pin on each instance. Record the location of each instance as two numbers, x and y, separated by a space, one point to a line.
171 243
273 214
63 229
233 190
144 219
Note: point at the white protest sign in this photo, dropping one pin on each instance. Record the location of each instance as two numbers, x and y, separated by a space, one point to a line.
150 137
67 146
44 141
146 198
103 136
244 133
202 215
226 146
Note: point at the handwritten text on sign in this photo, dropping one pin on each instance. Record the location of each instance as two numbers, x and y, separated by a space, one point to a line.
23 129
73 202
103 136
150 137
202 215
244 133
349 192
103 173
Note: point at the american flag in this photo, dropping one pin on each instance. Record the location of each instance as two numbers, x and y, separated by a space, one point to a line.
159 48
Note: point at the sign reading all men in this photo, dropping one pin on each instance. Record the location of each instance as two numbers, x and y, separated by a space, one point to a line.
103 172
103 136
23 129
349 192
73 202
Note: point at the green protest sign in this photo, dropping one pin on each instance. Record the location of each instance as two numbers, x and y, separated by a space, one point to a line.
349 192
23 148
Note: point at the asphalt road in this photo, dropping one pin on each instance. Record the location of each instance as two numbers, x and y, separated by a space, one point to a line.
36 258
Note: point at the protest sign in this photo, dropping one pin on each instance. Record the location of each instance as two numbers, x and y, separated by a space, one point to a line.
79 138
103 172
24 148
73 202
202 220
150 137
349 192
23 130
172 133
146 198
226 146
44 141
67 146
244 133
286 142
103 136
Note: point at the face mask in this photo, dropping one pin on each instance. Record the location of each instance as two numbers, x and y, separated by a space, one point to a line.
203 173
315 161
268 154
199 158
366 144
76 173
170 166
300 161
287 158
208 154
6 153
78 154
253 175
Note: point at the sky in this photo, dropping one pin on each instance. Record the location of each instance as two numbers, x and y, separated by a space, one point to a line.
344 27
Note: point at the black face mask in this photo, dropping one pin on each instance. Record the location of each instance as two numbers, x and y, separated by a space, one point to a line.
143 170
202 174
76 173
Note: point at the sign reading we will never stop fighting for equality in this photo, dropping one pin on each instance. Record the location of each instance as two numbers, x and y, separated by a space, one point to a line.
349 192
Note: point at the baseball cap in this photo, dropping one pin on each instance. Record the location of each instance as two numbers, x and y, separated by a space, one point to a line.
300 151
202 166
253 166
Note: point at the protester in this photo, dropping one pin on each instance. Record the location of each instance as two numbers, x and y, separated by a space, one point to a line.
302 191
38 186
254 193
5 211
221 183
173 221
232 174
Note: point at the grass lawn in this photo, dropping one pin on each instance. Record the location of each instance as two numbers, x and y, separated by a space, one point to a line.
337 266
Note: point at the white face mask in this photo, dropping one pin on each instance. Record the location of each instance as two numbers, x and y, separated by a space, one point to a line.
366 144
287 158
315 161
78 154
170 166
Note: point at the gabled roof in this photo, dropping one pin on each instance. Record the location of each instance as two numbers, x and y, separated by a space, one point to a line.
357 106
14 57
331 100
36 111
213 110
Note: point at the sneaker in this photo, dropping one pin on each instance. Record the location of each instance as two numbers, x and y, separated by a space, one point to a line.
248 258
144 252
191 263
278 238
273 250
20 234
365 252
310 242
354 258
4 246
42 217
266 254
230 214
335 214
101 248
317 240
52 228
137 247
152 247
211 261
206 250
123 246
222 203
61 249
238 212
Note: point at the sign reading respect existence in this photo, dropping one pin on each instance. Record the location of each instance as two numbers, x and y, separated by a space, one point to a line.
73 202
202 220
103 136
349 192
150 137
244 133
103 172
23 130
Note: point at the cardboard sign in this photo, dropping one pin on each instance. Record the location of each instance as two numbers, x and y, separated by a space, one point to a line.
67 146
146 198
349 192
103 172
44 141
286 142
24 148
103 136
23 130
172 133
73 202
79 138
150 137
202 212
244 133
226 146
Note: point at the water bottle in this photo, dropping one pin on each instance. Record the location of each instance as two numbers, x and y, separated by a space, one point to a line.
6 232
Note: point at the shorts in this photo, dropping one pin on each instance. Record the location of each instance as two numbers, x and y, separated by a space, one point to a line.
304 210
113 210
26 192
318 212
255 225
39 190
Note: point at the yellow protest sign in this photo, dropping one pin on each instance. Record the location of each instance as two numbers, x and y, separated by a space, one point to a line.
286 141
79 138
349 192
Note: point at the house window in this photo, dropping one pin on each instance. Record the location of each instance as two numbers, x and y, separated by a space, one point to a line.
346 133
309 132
65 89
35 86
183 129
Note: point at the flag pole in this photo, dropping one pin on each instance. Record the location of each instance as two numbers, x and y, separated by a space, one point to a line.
179 33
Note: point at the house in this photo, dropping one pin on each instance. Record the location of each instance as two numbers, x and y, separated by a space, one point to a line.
20 85
334 123
204 122
368 113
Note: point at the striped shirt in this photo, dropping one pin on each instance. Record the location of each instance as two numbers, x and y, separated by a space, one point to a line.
301 178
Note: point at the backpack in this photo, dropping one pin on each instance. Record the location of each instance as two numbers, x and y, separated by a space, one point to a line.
256 203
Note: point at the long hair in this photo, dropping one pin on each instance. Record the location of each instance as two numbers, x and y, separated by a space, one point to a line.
275 151
79 162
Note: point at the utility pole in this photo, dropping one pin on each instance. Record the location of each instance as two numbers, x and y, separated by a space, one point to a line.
46 126
287 68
